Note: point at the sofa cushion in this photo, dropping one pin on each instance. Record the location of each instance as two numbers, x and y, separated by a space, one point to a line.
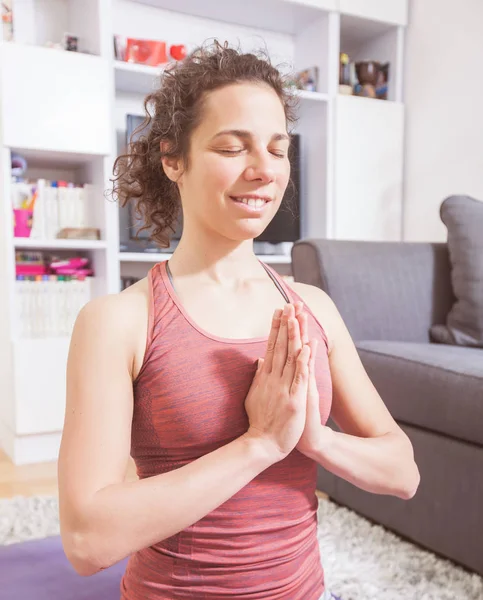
463 217
434 386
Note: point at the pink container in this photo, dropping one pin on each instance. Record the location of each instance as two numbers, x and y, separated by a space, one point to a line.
22 222
29 269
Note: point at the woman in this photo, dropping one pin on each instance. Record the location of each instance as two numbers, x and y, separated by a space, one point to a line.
167 370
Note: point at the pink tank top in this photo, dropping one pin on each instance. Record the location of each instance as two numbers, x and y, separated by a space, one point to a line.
188 401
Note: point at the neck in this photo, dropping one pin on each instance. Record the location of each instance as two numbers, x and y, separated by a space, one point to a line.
227 263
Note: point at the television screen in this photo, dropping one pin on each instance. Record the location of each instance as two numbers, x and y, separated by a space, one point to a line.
284 227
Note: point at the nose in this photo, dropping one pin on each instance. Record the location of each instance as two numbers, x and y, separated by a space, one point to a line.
260 169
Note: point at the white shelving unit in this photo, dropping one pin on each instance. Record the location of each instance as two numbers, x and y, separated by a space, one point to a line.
66 113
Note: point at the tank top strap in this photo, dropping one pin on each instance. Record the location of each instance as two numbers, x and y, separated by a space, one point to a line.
159 295
278 280
155 280
152 295
294 297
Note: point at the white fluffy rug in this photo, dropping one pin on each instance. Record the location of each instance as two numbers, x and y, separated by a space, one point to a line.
362 561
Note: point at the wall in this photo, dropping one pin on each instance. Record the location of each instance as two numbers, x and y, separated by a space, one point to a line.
444 120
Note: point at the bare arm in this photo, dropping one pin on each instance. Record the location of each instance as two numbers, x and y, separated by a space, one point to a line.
104 519
371 451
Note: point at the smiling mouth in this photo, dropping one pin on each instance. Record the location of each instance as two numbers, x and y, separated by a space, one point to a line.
253 202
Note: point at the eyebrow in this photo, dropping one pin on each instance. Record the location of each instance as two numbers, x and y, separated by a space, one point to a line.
242 133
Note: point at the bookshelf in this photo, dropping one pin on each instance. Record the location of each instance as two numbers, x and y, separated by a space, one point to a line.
65 112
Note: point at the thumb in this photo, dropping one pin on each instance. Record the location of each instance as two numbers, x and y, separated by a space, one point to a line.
260 364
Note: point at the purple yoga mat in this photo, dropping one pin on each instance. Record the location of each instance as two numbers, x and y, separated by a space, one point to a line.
39 570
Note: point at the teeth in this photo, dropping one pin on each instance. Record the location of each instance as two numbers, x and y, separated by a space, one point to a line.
257 203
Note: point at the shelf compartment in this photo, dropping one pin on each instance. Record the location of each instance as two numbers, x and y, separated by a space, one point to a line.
365 39
37 23
80 169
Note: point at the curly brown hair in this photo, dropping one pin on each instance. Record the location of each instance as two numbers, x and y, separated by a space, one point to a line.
177 109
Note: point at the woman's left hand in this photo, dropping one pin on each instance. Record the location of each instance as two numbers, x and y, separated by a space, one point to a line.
315 435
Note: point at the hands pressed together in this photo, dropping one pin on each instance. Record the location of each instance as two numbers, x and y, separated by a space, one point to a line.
283 401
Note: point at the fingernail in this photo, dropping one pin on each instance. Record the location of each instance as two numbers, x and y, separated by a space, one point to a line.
286 309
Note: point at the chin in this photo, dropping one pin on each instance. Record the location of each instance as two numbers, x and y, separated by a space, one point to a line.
243 236
245 229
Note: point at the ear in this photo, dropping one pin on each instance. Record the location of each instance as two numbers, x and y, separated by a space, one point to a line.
172 166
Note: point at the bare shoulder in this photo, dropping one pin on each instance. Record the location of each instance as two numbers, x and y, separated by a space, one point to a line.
323 307
118 319
118 309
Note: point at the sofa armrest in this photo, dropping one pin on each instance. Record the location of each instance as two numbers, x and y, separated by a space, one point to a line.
383 290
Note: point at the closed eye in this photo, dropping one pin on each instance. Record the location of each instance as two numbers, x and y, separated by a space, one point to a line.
277 154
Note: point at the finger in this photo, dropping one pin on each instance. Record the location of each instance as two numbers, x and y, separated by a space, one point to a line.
312 386
272 338
304 329
298 310
280 351
313 352
294 346
258 372
301 373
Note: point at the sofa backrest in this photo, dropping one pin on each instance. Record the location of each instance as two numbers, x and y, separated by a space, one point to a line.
383 290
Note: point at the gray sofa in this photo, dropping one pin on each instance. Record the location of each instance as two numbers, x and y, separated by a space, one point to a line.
389 295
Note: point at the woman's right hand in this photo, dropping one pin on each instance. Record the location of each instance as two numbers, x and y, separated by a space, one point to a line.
277 399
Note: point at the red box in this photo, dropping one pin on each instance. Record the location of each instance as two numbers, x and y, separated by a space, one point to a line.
146 52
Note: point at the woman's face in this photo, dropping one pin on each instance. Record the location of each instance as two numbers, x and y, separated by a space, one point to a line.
239 149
